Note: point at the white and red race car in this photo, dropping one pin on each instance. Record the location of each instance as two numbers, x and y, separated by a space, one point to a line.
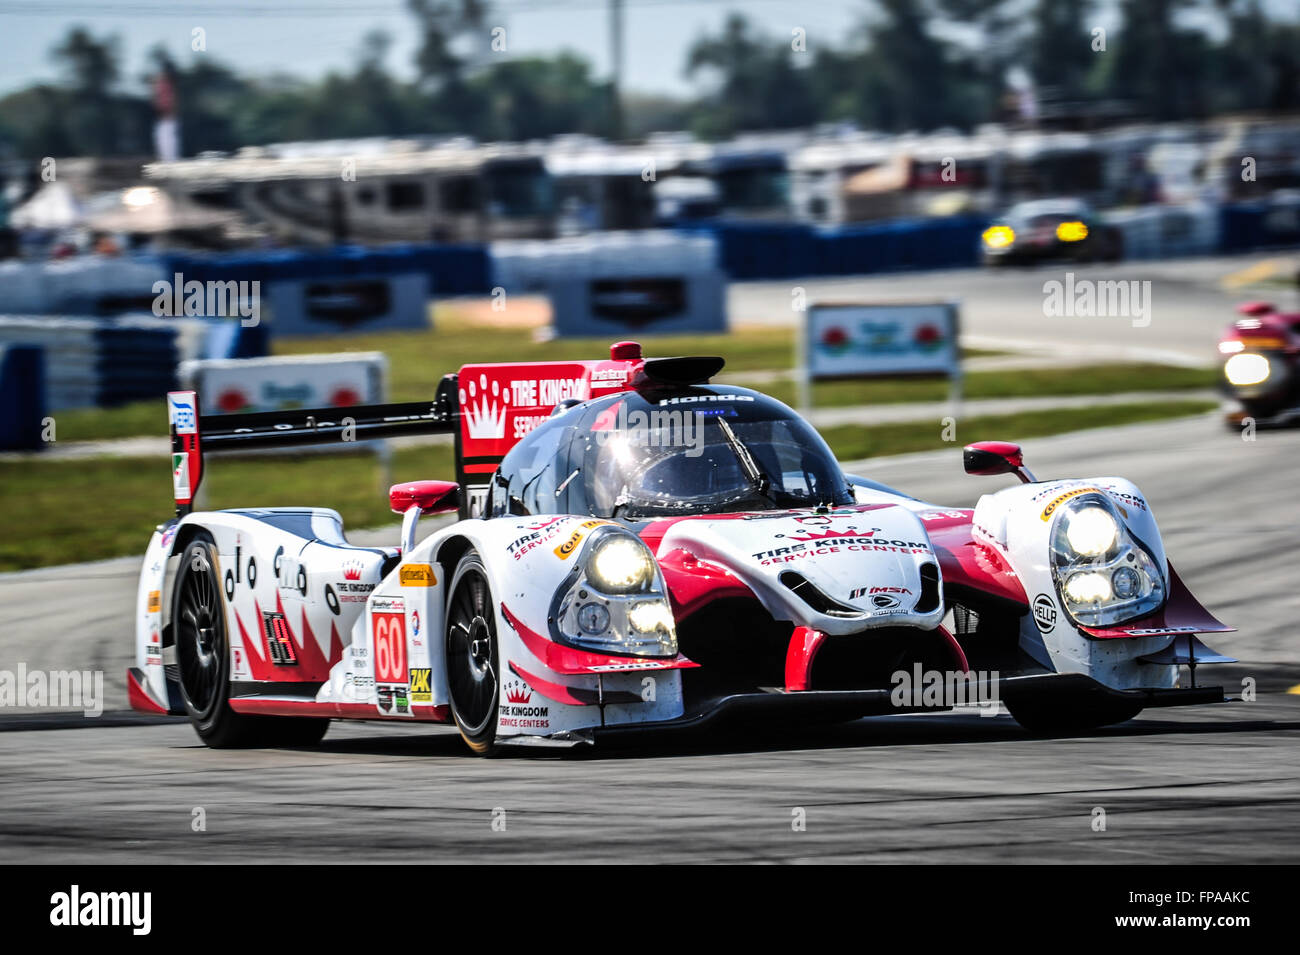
640 549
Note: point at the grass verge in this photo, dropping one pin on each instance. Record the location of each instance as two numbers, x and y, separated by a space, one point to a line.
64 512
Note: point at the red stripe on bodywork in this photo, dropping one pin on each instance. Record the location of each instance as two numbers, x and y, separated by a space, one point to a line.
694 583
569 661
1182 613
799 656
966 560
138 694
558 692
420 712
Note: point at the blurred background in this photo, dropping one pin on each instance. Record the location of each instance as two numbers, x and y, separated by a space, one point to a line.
417 184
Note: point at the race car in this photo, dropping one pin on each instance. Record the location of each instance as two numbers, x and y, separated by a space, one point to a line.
639 549
1261 366
1050 229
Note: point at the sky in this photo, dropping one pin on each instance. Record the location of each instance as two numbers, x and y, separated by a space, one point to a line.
310 37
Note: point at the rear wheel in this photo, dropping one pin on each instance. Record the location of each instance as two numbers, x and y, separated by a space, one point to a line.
203 658
473 663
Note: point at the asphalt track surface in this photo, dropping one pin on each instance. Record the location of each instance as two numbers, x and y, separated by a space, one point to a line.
1196 784
1185 307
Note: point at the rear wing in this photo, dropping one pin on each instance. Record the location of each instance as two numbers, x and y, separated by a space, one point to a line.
486 407
193 435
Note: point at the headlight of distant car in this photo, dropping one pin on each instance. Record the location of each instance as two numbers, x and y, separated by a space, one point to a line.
1245 369
1072 231
999 236
1104 575
615 601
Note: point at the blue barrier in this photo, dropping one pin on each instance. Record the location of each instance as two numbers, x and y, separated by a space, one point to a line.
764 250
1258 225
450 269
22 395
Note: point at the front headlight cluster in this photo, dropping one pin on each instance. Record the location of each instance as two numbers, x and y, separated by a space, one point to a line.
614 601
1103 574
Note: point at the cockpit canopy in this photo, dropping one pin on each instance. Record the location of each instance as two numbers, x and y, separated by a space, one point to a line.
701 450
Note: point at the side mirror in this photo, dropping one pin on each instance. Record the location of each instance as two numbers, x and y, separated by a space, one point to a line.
995 457
431 497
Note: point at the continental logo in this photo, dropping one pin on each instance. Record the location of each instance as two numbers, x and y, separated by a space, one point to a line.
570 545
416 575
421 685
155 601
1050 509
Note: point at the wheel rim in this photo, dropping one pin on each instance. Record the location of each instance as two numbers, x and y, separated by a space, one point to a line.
471 653
199 639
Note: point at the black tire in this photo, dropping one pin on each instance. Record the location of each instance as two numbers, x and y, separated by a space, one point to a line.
1067 715
203 659
473 660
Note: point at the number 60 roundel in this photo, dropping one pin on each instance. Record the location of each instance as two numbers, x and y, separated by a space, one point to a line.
388 625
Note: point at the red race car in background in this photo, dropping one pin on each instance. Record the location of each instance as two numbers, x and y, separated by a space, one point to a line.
1261 365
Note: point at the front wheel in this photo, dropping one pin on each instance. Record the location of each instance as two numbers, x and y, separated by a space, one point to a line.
1065 716
473 662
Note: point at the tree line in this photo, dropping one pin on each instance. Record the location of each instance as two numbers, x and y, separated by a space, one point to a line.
907 65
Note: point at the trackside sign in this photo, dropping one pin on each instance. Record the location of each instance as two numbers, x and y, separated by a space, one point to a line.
851 341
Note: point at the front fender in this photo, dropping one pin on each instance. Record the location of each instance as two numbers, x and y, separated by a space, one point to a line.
1017 522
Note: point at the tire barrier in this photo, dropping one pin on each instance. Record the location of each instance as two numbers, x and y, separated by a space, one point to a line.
22 395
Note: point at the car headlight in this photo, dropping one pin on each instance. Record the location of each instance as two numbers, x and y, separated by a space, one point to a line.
614 601
999 236
1090 531
1245 369
1104 575
620 564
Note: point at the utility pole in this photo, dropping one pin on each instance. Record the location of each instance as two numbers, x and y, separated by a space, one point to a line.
616 67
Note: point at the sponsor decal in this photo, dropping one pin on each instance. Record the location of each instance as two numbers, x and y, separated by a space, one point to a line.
279 642
180 412
155 601
416 575
181 475
388 632
537 535
1057 501
1044 613
884 601
421 685
569 546
1161 631
351 589
872 591
517 711
857 542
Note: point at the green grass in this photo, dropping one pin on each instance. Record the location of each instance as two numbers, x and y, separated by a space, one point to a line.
414 373
851 443
1021 383
58 512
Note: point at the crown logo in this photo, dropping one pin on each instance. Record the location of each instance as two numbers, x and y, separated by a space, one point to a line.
518 693
850 532
352 570
484 417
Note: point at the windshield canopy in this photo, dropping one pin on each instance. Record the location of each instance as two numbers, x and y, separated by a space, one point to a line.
699 451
